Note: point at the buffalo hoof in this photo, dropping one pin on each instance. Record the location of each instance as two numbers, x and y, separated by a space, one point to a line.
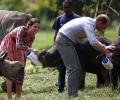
101 85
81 87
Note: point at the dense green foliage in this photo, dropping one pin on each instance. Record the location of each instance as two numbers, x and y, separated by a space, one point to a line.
48 10
51 8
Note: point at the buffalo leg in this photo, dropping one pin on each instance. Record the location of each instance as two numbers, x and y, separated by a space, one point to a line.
114 79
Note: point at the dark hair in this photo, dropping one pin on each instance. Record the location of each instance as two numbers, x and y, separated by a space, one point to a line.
103 18
32 21
68 1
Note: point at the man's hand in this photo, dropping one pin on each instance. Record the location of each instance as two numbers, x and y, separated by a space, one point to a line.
110 48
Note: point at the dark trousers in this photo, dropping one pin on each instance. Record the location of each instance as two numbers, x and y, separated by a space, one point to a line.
61 76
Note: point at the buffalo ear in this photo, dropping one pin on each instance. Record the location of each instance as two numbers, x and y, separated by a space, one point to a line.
3 54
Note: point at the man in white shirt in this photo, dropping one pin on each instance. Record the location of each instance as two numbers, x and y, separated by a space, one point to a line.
58 23
69 34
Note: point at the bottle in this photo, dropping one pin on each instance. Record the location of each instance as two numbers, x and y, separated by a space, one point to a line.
107 63
33 57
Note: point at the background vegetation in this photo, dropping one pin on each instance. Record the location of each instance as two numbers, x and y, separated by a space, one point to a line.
47 10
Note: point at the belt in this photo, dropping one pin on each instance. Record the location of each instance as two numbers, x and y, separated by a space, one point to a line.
66 37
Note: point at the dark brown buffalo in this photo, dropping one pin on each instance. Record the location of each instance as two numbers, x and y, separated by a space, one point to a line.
87 56
10 69
115 72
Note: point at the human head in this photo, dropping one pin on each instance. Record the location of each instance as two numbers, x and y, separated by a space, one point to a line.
33 25
32 21
102 21
67 6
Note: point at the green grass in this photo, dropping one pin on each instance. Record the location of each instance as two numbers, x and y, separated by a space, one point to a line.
39 83
44 40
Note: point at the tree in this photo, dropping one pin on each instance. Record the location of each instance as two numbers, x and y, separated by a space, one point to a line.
12 5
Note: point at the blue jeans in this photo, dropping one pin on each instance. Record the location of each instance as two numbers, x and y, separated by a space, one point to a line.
61 76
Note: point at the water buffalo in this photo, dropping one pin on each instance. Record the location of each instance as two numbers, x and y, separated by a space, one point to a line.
87 56
115 72
10 69
11 19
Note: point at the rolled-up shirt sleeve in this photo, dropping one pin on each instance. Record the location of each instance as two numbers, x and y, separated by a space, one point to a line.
89 31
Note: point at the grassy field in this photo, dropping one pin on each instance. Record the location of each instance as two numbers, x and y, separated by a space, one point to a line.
39 83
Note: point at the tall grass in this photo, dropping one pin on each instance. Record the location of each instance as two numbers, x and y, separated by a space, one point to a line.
39 83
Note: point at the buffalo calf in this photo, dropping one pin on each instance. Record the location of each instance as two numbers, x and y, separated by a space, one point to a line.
87 56
10 69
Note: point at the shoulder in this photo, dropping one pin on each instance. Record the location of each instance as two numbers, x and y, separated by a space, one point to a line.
76 15
88 23
87 19
21 29
61 16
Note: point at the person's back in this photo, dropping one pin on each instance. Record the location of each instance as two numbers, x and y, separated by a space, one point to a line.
58 23
76 28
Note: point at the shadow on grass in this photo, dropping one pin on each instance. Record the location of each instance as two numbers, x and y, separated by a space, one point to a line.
42 90
93 87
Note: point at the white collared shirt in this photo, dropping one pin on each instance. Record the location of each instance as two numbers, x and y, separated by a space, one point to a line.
79 28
